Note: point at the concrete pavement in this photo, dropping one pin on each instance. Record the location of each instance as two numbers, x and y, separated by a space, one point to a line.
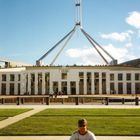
19 117
65 138
71 106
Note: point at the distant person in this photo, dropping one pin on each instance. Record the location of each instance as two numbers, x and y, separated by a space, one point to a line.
82 133
51 94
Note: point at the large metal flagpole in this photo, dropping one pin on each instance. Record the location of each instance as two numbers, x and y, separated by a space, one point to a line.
78 23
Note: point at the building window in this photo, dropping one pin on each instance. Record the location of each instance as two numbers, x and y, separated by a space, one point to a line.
73 87
96 75
89 77
137 76
18 77
81 75
120 76
12 77
47 83
32 83
137 88
3 77
64 87
128 88
103 75
111 76
88 82
120 88
12 88
3 89
39 83
18 88
55 87
128 76
64 76
112 88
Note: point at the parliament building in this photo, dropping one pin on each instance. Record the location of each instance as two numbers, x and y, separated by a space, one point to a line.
70 80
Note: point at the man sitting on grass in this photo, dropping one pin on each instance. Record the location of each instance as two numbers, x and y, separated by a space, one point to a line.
82 133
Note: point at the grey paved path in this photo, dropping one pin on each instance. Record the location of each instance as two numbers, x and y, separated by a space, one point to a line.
71 106
64 138
19 117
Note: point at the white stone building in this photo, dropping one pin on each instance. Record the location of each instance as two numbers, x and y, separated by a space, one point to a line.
71 80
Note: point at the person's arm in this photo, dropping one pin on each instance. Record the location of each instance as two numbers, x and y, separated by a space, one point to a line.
93 137
72 137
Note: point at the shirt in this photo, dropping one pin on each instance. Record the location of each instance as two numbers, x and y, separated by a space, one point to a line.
88 136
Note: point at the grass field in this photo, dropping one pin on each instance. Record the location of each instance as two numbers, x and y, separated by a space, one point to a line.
5 113
64 122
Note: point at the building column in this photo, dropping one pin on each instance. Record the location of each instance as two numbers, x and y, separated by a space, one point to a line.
59 86
124 83
29 83
68 87
85 83
100 83
8 84
77 87
92 83
133 83
51 83
116 83
43 83
107 83
16 85
36 83
23 83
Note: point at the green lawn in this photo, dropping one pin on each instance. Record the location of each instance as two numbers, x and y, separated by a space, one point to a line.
5 113
2 118
64 122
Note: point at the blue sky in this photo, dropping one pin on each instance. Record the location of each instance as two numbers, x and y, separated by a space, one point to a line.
29 28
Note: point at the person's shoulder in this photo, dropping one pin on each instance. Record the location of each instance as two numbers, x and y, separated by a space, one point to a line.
91 133
74 135
75 132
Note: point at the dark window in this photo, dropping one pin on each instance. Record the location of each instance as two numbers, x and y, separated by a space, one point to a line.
96 75
18 77
81 75
120 77
3 89
111 76
3 77
128 76
64 75
137 76
11 88
12 77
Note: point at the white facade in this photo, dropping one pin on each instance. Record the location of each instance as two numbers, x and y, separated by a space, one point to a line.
73 80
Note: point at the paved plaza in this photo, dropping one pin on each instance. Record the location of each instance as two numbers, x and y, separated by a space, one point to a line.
64 138
38 108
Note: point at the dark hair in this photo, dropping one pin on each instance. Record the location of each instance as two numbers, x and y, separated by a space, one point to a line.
82 122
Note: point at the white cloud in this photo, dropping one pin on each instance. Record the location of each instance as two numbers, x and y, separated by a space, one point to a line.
134 19
85 56
121 54
128 45
118 36
88 56
78 52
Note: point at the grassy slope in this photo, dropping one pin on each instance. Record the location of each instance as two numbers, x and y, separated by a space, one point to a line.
11 112
64 122
5 113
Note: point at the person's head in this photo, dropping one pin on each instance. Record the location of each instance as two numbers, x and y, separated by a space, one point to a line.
82 126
